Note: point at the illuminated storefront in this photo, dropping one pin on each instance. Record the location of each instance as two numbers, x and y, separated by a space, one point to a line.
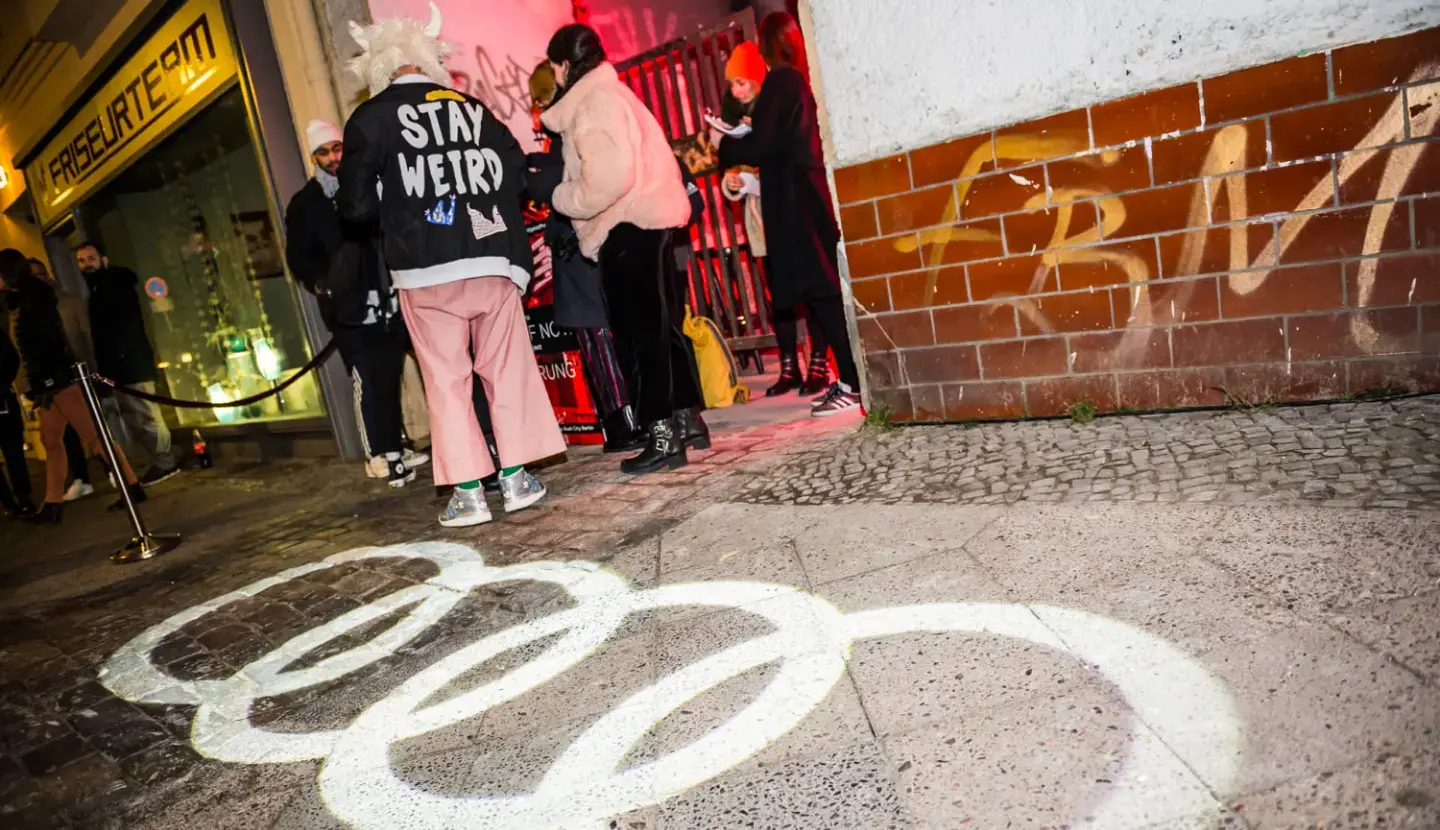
163 164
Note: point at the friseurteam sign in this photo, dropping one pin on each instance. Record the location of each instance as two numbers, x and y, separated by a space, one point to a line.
177 70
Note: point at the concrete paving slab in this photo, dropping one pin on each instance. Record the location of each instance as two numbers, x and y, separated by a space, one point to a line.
1398 792
1405 630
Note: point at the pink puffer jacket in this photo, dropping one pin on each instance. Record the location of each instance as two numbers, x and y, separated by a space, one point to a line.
618 165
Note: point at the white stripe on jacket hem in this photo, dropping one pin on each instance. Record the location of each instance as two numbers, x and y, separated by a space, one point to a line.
461 269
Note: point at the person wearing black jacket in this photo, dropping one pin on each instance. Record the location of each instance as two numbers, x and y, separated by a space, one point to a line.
15 496
124 355
340 263
444 179
800 231
50 381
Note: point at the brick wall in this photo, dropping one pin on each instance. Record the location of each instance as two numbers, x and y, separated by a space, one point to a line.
1273 233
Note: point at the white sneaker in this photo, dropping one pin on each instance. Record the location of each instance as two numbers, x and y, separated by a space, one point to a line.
377 467
78 490
521 490
414 459
467 508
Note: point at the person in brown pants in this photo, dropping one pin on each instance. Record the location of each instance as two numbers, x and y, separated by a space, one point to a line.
50 382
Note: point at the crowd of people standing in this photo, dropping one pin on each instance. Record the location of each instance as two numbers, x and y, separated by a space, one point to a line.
411 235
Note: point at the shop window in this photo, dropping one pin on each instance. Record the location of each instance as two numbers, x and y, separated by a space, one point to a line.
191 217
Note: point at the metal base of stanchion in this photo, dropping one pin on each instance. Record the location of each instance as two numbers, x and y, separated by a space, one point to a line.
148 547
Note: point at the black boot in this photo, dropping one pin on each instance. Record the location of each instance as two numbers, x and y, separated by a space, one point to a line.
693 431
817 379
49 514
137 495
665 451
622 431
788 381
491 483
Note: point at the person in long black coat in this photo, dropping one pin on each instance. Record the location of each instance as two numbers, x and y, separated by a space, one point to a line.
800 231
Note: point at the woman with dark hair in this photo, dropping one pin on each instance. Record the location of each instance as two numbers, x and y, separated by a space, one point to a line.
622 189
50 380
800 230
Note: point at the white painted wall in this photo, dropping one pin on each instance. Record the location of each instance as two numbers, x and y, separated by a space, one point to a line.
900 75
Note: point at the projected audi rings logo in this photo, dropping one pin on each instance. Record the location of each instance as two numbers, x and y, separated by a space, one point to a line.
1178 707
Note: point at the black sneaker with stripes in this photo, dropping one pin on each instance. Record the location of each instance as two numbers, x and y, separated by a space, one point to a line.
836 401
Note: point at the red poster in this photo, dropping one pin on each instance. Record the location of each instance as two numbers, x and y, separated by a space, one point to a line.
556 349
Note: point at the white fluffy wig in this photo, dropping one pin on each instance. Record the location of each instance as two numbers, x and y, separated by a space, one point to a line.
394 42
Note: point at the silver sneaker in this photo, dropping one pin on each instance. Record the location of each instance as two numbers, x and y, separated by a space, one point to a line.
521 491
467 508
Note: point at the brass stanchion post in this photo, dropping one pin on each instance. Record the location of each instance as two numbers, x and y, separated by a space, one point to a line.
144 545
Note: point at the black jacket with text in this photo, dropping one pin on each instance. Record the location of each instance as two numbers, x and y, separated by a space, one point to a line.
451 179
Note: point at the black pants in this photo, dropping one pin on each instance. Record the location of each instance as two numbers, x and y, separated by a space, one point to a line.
828 315
12 446
375 358
647 312
76 455
787 335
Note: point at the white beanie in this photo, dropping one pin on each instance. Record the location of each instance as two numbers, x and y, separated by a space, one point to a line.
318 133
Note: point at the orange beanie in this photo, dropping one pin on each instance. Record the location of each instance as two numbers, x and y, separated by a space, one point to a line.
745 62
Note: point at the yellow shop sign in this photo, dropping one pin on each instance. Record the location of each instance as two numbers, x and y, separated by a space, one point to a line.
177 70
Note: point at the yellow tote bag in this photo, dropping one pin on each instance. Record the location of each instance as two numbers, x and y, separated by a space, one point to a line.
719 376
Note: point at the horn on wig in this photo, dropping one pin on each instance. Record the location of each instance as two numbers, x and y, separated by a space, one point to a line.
357 34
433 27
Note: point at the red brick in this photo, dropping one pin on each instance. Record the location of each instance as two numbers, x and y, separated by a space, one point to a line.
1109 265
873 178
872 296
896 331
1058 135
1080 311
1184 157
1218 344
1281 382
1113 171
1405 279
1420 114
1272 190
1215 249
1120 350
1178 389
962 242
1151 114
976 401
1055 396
1430 329
927 404
1267 88
1285 291
1385 63
858 221
916 209
943 364
1342 233
999 193
896 400
881 256
1370 166
1017 276
952 160
1347 334
1168 302
1427 222
974 322
882 369
1158 210
1036 230
1023 358
918 289
1336 127
1407 373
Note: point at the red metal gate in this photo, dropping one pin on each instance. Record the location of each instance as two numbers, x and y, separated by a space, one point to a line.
680 81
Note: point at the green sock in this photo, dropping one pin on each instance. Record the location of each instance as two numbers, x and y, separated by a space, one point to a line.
469 485
510 471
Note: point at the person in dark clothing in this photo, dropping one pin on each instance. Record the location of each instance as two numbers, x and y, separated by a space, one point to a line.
50 381
15 496
75 315
123 354
800 230
623 191
340 263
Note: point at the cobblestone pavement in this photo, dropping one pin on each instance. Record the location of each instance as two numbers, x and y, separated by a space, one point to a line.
1266 665
1348 455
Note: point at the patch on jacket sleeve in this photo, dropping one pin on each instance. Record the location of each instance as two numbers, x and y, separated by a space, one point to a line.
443 95
443 213
486 227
